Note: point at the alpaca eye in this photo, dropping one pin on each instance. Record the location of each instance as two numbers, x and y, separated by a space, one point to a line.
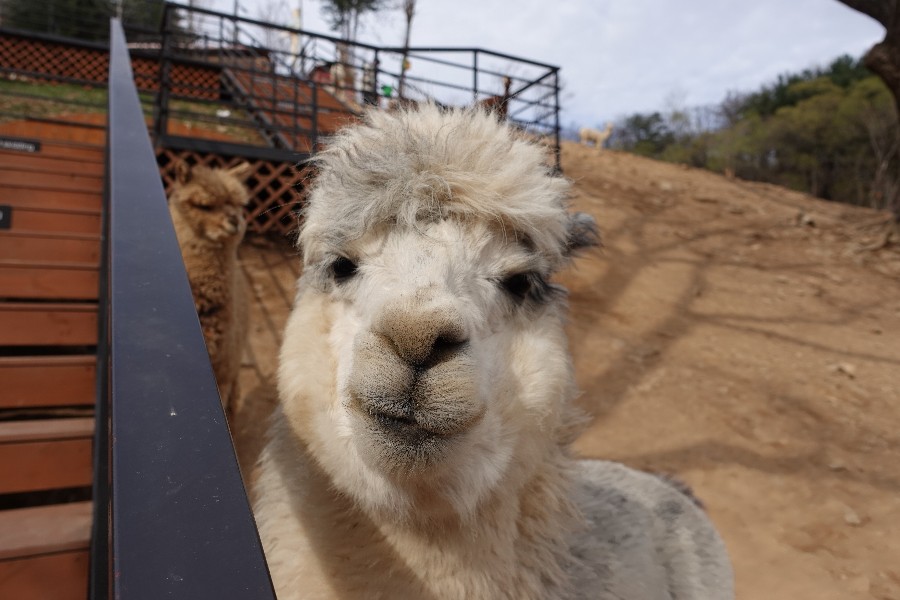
343 268
203 207
518 285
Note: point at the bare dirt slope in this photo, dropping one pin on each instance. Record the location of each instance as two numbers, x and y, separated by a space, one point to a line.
733 333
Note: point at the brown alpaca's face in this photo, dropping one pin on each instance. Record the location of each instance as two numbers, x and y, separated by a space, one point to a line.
212 203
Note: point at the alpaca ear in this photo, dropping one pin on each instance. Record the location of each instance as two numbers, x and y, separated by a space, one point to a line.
581 232
240 171
182 172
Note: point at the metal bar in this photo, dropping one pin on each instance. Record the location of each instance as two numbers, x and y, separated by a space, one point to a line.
376 70
176 142
50 37
314 138
556 119
36 119
99 581
161 107
463 66
539 81
181 523
479 50
475 76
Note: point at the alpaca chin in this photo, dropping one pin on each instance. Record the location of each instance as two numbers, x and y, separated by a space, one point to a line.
440 479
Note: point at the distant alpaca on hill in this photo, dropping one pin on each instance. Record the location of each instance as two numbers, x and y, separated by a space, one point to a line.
421 445
588 135
499 105
207 208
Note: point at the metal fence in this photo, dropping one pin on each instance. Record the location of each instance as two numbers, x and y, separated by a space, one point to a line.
172 518
288 86
214 81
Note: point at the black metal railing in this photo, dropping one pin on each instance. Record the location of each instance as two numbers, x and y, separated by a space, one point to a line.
172 516
288 85
214 80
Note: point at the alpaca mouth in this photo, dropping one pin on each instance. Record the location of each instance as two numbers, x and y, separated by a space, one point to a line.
402 430
405 430
398 421
392 422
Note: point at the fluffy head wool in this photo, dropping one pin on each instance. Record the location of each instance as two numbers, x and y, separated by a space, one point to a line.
429 164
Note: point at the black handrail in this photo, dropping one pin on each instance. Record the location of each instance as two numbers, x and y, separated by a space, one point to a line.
179 522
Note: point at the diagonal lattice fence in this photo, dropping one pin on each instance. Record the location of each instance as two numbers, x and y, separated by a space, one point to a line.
275 187
87 64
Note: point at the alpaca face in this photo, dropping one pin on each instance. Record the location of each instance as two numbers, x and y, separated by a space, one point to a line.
448 358
426 317
442 330
211 201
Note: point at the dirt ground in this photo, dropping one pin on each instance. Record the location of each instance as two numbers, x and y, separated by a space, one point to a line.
734 334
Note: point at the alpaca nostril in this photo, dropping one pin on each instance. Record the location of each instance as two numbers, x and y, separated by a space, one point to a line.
446 343
443 348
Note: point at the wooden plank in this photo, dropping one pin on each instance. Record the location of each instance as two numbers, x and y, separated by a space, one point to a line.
44 529
26 246
48 282
45 465
55 181
45 430
61 576
43 163
59 132
44 381
31 219
25 324
47 199
66 150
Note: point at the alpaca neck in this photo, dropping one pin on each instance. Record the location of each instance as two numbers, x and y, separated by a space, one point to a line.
515 543
211 267
513 546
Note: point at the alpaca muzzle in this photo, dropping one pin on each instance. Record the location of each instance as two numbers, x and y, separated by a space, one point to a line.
434 396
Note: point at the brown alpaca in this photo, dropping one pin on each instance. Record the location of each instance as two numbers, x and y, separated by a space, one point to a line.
498 104
207 208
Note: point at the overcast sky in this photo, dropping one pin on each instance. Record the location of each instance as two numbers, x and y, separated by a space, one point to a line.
624 56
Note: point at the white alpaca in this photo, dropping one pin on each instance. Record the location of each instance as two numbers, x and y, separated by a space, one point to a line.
595 136
421 445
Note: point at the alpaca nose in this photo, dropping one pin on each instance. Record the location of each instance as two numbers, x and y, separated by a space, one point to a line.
424 337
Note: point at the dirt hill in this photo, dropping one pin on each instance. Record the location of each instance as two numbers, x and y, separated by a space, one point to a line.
737 335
